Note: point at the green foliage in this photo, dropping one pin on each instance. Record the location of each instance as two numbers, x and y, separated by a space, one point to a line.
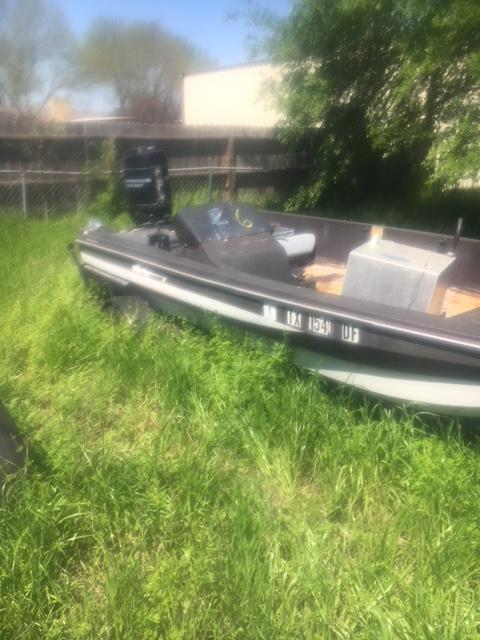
455 154
110 201
35 54
183 484
184 195
142 64
390 87
308 196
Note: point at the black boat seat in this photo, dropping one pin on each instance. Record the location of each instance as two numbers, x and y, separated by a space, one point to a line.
296 245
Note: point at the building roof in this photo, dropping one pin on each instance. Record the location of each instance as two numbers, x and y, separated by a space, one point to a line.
230 67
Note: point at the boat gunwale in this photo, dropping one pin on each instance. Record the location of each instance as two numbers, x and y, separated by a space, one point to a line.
359 223
230 281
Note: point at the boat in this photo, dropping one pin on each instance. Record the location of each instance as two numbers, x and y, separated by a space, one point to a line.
392 312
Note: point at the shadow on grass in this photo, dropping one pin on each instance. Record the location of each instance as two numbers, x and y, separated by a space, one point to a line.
17 452
11 444
445 427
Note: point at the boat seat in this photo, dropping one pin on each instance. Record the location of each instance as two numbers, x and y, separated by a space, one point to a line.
296 245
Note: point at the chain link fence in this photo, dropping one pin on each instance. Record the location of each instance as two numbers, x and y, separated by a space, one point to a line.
46 193
36 193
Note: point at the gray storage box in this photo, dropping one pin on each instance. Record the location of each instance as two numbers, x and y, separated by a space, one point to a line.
398 275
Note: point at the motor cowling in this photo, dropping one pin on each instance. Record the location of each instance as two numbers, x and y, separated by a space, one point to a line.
147 184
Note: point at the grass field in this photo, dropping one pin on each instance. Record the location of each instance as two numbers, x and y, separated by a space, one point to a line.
183 484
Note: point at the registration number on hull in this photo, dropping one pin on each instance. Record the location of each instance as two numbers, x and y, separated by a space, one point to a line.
314 324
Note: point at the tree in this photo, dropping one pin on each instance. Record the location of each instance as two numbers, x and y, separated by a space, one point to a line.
35 47
390 87
142 63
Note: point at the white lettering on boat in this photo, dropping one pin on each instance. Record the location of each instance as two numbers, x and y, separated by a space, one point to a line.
270 312
350 333
320 326
294 319
145 272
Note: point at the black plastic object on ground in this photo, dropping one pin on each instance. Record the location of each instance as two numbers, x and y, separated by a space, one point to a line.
11 457
145 176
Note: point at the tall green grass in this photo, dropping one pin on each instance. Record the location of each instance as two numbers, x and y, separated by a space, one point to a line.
183 484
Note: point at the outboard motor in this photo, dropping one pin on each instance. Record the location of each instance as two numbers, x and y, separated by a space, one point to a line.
145 176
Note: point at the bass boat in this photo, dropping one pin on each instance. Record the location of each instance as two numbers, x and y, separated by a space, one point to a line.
390 311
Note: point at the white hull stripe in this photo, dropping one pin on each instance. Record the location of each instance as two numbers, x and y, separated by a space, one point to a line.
154 282
450 396
317 309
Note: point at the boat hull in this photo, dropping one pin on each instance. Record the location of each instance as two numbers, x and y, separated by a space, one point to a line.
440 395
405 367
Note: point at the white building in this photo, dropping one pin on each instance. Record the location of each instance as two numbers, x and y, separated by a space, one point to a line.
233 96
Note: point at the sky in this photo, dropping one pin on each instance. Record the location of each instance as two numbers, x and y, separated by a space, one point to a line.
203 22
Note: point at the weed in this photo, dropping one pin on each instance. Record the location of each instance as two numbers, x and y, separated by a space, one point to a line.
188 484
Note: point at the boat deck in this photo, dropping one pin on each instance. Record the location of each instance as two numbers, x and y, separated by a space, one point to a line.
328 277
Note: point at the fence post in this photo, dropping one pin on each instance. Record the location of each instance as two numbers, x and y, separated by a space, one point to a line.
231 163
24 195
210 181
